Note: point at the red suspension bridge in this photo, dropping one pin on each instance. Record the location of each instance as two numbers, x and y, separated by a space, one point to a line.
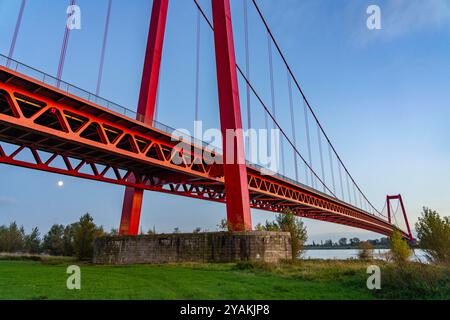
52 126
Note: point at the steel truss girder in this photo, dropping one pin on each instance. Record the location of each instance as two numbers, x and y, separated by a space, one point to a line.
144 152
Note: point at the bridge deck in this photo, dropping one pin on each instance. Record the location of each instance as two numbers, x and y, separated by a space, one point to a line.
69 135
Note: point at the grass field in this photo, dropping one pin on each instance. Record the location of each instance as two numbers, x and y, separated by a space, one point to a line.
306 280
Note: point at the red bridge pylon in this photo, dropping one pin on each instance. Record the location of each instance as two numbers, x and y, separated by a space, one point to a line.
388 205
236 184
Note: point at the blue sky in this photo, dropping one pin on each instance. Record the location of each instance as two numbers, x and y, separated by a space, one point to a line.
382 95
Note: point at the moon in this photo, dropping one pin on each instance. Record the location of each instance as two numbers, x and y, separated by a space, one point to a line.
60 183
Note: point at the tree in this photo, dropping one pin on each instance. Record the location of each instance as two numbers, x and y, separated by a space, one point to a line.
400 251
384 241
269 226
53 241
33 242
114 232
3 237
343 242
288 222
365 250
197 230
225 226
11 238
152 232
68 240
355 241
85 231
433 233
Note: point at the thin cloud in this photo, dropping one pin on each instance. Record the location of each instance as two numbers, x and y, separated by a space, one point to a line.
404 16
400 18
7 200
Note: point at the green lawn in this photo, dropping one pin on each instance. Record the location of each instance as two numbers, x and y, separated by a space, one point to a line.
310 279
37 280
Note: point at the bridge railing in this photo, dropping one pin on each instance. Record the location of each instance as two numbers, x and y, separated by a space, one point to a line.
64 86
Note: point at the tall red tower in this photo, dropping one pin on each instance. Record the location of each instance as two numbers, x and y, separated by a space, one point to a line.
236 184
388 205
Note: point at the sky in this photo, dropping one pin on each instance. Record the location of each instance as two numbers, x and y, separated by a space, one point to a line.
382 96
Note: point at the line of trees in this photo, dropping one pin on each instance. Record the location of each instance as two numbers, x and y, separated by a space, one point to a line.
14 239
76 239
348 243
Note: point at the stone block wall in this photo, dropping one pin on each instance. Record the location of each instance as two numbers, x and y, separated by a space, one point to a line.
263 246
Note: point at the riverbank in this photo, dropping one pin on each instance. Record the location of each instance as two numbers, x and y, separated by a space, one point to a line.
344 254
311 279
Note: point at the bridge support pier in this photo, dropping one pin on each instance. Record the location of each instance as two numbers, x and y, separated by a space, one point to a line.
132 203
214 247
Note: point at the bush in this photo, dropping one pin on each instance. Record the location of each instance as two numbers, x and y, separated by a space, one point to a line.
74 239
400 251
365 251
415 281
433 233
224 226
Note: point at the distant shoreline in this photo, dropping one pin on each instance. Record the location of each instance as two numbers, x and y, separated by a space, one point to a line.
340 248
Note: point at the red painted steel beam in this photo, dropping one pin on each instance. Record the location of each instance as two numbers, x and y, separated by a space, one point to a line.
235 169
132 203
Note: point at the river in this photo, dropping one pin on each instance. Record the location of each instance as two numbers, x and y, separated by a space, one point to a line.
344 254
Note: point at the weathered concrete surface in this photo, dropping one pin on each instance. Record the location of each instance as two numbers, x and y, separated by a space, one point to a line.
199 247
